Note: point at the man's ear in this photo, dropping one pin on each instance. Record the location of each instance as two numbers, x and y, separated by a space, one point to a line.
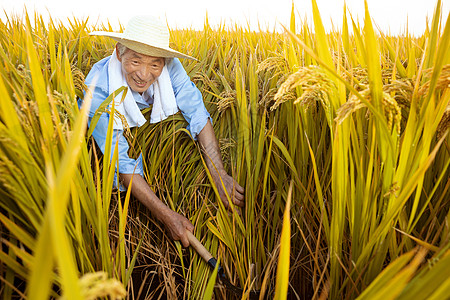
117 54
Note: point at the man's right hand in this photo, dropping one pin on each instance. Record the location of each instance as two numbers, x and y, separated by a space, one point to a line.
177 225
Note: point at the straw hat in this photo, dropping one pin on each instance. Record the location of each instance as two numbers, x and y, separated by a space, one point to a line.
146 35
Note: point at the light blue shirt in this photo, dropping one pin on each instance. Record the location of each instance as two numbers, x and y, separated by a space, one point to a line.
188 97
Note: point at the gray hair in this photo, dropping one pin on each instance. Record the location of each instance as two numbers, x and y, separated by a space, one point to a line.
121 49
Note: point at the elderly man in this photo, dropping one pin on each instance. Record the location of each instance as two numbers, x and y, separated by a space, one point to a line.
143 62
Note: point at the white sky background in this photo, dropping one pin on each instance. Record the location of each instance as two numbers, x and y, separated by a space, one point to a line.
390 15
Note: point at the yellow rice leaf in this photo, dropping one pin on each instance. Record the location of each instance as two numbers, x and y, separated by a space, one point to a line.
9 116
39 88
209 290
57 206
438 61
442 291
323 48
217 233
52 52
419 241
282 280
286 155
391 281
18 232
292 23
433 280
360 53
373 60
39 282
319 191
346 38
411 69
398 64
433 37
381 231
13 264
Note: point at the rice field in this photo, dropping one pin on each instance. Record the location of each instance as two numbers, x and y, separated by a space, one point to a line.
340 139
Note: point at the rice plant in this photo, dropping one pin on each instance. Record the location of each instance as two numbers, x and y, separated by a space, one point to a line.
340 139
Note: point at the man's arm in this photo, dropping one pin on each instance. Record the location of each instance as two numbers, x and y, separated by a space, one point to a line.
190 102
213 158
174 222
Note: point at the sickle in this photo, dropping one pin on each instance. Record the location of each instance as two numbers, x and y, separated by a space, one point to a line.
212 262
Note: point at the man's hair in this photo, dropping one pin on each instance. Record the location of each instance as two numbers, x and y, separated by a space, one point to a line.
121 49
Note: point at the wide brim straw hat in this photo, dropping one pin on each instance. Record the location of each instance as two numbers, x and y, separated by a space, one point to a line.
146 35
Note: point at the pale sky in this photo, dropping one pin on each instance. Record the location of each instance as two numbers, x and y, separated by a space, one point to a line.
389 15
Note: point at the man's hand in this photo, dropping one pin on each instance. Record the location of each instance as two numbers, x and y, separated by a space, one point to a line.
213 158
175 223
234 190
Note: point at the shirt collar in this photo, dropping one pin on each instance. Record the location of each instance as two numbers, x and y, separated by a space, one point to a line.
146 98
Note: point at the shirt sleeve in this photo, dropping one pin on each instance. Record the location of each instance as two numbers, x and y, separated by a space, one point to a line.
189 98
127 165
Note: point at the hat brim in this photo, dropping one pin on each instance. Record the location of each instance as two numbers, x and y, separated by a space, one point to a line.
142 48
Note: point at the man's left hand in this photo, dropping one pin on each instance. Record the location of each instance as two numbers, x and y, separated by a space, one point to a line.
234 190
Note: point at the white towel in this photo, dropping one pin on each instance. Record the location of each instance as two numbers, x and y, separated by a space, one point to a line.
164 102
162 89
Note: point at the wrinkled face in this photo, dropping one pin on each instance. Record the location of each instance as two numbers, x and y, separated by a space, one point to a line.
140 70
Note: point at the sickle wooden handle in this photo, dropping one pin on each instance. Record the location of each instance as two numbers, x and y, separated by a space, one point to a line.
201 250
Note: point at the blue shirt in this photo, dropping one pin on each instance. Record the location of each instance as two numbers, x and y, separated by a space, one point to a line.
188 97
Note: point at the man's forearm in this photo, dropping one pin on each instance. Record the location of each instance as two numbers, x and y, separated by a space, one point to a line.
176 224
142 191
211 150
228 188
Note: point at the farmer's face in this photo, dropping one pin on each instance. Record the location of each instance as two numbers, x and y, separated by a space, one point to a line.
140 70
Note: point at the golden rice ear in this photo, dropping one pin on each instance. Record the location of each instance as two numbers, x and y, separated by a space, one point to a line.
444 124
